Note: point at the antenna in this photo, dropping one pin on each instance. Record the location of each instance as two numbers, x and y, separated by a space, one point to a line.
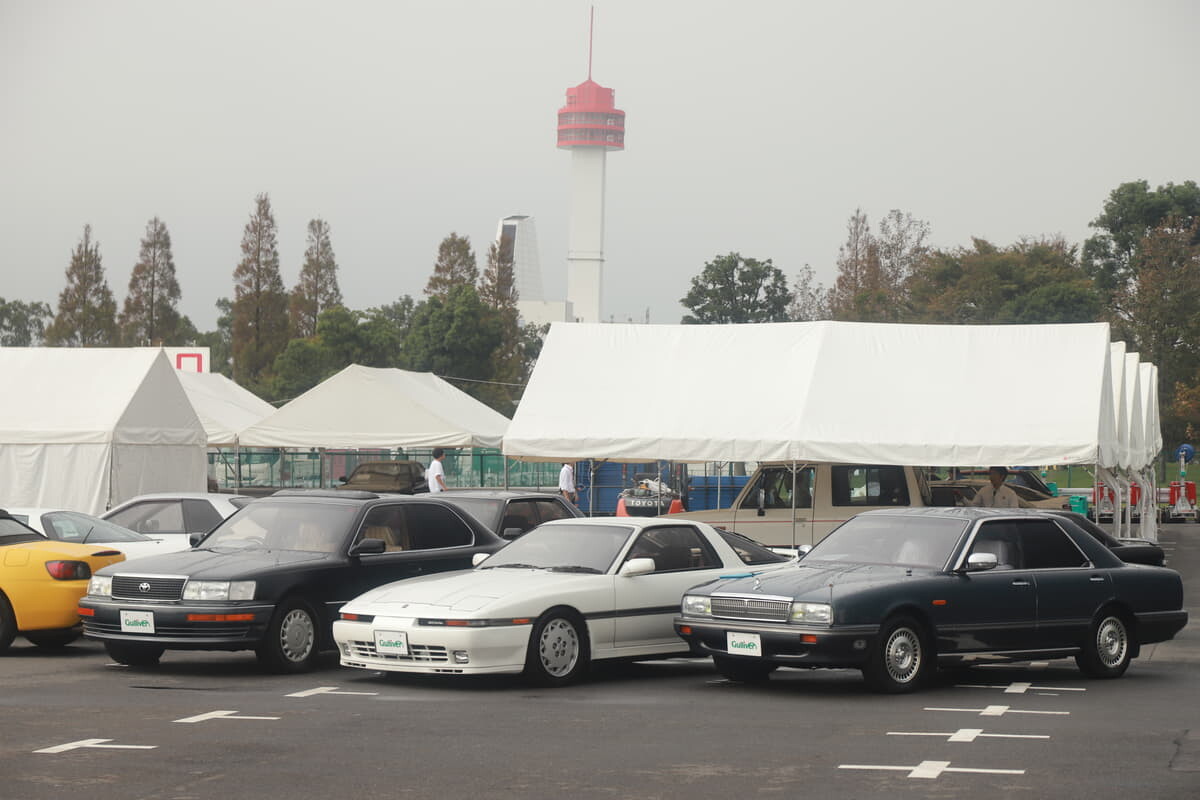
591 28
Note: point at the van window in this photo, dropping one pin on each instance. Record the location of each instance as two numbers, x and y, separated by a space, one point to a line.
857 485
777 485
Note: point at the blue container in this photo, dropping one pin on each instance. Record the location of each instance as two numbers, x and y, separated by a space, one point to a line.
1079 503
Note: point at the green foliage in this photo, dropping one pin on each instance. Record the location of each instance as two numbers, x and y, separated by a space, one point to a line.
453 337
151 313
87 312
23 324
498 290
735 289
260 323
317 288
455 266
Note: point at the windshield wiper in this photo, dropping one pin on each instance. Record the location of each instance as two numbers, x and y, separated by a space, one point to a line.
511 566
575 568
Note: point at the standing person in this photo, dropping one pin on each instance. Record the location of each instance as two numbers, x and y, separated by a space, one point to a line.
566 482
996 494
436 474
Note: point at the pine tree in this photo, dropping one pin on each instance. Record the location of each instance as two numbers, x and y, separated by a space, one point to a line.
87 312
317 288
498 289
260 300
455 266
151 313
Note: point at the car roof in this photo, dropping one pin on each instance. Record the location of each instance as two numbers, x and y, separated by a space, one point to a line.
218 496
495 494
969 513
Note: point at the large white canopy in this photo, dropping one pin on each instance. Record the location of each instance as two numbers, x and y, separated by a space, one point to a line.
366 407
224 408
822 391
86 428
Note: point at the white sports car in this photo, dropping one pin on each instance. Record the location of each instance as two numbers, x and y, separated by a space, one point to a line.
566 593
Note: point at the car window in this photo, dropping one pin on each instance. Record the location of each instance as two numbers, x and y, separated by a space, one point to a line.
592 547
777 485
200 516
891 539
388 524
856 485
13 532
431 526
308 527
71 526
749 551
999 537
152 516
552 509
1046 546
674 548
519 514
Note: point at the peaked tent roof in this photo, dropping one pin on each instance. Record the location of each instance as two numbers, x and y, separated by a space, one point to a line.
224 408
370 407
821 391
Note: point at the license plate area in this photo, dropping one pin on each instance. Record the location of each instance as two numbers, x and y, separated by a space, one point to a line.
391 643
137 621
743 644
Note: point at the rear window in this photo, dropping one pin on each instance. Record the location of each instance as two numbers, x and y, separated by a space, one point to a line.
750 551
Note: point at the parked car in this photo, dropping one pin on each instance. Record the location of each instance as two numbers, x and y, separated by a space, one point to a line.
393 477
511 513
893 593
41 582
272 577
567 593
74 526
179 513
1131 550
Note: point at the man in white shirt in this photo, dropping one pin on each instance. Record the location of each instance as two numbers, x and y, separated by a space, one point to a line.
436 474
566 482
996 494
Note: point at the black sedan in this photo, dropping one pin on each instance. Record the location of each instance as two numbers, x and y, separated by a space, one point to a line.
894 593
510 513
273 576
1129 549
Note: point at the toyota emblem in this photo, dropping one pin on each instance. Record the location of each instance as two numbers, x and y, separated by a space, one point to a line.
143 586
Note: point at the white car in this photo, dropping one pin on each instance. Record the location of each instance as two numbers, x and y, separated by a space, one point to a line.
157 515
74 526
565 594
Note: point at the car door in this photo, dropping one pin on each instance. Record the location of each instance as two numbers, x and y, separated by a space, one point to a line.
389 523
766 511
1069 588
647 604
990 610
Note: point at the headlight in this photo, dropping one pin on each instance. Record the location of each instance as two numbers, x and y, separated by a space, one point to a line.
100 586
697 605
219 590
814 613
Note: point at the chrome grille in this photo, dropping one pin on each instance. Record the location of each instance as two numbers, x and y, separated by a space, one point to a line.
416 653
751 608
157 587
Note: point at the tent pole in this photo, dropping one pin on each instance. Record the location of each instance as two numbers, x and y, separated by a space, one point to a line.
237 461
793 502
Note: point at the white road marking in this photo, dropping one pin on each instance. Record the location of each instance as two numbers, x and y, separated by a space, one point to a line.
219 715
1019 687
970 735
96 743
327 690
997 711
931 770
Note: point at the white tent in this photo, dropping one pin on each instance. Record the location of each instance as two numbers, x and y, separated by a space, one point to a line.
366 407
224 408
821 391
86 428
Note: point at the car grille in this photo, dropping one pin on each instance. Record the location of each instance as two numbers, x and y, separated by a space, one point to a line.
416 653
205 630
751 608
147 587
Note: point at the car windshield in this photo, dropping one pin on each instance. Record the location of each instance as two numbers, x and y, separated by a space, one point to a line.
908 541
267 525
593 547
485 509
71 526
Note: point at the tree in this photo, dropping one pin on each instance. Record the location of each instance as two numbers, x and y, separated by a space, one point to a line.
259 300
498 290
810 300
23 324
736 289
151 314
455 266
453 337
220 341
87 312
858 292
901 246
317 288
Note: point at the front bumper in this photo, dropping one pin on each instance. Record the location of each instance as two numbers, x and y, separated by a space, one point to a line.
432 649
173 628
783 644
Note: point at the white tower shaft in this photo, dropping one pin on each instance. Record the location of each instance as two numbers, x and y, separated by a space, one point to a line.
585 242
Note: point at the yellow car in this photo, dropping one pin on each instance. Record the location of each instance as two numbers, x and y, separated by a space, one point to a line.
41 581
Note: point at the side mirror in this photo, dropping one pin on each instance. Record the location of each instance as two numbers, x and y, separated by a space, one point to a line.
196 538
978 562
803 550
637 566
368 547
762 502
511 533
479 558
342 478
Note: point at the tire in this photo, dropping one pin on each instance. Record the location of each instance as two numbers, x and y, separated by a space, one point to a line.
134 654
8 623
743 670
558 649
901 658
53 639
1107 651
291 643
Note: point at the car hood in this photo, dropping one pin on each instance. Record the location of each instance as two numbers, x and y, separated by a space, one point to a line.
814 581
216 565
463 591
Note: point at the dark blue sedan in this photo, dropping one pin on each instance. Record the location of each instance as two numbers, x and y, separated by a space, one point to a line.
894 593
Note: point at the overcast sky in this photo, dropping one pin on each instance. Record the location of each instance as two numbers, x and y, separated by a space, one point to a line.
756 127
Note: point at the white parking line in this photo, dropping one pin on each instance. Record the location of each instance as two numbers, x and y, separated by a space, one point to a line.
970 735
997 711
931 770
1019 687
327 690
95 743
218 715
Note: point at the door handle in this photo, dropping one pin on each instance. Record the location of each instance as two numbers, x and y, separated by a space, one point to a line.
1020 582
1097 579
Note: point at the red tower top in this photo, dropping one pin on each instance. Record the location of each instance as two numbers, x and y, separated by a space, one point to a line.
591 119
